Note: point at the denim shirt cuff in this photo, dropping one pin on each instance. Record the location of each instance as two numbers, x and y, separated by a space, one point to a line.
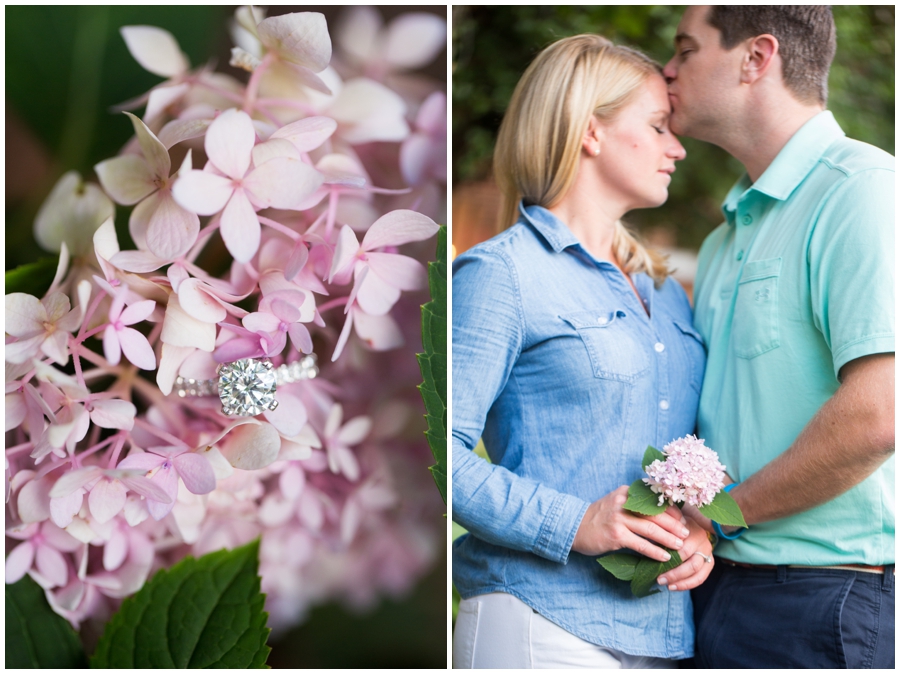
554 541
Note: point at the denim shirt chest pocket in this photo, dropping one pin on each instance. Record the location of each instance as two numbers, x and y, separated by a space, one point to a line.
755 325
614 352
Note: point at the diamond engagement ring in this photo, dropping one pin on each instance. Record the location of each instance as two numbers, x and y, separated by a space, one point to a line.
247 387
707 558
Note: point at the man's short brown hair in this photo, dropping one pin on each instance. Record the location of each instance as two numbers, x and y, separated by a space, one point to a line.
806 41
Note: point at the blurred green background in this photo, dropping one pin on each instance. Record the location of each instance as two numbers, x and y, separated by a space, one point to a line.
66 66
493 45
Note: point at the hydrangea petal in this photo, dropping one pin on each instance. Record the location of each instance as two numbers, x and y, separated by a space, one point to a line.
375 296
172 230
127 179
50 563
261 321
307 134
137 349
300 37
116 550
398 270
201 192
240 227
71 213
111 348
354 431
19 561
137 261
137 312
64 508
196 473
289 417
162 97
155 49
399 227
56 347
282 182
344 252
155 152
72 480
179 130
357 34
251 446
117 414
273 148
414 39
16 410
25 315
229 142
197 301
380 333
182 329
166 478
34 501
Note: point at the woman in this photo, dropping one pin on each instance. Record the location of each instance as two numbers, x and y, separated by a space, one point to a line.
572 351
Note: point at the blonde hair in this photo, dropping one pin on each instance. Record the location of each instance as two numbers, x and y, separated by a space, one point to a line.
539 143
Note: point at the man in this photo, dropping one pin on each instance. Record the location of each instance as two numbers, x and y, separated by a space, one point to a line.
794 299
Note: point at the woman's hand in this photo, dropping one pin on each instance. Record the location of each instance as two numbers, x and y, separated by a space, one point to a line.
606 526
694 569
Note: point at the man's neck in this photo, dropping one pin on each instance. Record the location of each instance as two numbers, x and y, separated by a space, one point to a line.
764 136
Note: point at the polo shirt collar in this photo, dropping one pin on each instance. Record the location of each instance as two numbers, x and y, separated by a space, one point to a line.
554 230
791 166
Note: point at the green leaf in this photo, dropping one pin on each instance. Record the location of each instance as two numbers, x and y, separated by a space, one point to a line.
200 613
648 570
620 564
641 499
433 363
34 278
652 454
724 510
36 637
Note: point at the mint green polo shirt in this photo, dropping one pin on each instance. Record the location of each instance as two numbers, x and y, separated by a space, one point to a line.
797 282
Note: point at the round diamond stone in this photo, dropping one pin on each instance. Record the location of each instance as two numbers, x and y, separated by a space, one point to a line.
247 387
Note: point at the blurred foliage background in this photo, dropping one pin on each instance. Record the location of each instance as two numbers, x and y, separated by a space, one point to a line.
493 45
66 67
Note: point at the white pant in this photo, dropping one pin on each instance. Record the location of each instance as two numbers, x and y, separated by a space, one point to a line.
498 631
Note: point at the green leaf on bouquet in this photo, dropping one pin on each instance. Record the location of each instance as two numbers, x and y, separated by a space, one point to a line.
641 499
433 363
648 570
205 612
652 454
620 564
724 510
36 636
33 278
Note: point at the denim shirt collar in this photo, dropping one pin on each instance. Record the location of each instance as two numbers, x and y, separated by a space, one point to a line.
555 232
792 164
552 229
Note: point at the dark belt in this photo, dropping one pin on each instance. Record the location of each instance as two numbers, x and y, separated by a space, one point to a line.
839 567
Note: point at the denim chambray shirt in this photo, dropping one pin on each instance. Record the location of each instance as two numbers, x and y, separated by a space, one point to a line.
558 367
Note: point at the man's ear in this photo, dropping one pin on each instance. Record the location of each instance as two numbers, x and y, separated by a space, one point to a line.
593 137
759 58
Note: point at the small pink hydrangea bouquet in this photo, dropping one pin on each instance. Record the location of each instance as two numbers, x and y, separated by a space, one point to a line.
686 472
143 420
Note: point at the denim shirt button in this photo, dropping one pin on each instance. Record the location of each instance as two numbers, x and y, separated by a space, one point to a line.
663 404
660 347
602 320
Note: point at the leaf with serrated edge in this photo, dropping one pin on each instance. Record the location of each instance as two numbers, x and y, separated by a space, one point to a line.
433 363
641 499
652 454
724 510
36 637
648 570
205 612
620 564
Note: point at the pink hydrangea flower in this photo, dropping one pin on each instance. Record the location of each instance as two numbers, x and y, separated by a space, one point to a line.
691 473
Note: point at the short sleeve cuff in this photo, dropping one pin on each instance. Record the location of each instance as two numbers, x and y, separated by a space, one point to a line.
866 346
559 527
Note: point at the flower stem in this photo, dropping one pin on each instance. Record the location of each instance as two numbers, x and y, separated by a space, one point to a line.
284 229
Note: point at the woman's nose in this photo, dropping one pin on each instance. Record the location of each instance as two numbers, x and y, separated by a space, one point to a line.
677 151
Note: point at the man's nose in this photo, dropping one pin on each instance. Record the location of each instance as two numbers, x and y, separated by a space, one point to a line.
669 72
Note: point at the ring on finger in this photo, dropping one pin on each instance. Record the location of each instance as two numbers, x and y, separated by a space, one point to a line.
707 558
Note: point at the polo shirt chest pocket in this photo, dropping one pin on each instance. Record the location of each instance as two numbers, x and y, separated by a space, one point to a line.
614 353
755 325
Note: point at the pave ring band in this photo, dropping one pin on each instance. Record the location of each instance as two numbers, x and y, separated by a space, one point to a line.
247 387
707 558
